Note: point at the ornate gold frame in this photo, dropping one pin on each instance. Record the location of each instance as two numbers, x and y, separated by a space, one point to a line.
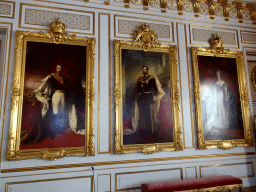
217 50
57 35
146 40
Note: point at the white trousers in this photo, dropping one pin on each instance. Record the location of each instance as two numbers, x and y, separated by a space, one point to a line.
58 102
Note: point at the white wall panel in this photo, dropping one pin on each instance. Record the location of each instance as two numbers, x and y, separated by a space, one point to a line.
40 17
104 85
7 9
188 134
237 169
136 179
104 183
126 26
200 35
57 185
190 172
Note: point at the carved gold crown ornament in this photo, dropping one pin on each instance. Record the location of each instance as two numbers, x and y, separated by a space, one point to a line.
58 32
216 46
146 38
58 27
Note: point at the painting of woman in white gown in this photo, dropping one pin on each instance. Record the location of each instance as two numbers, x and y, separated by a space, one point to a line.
220 98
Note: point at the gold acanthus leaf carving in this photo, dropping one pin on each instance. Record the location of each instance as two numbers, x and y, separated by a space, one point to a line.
244 97
201 143
226 145
178 145
117 94
91 93
176 96
146 38
180 5
91 148
118 148
149 149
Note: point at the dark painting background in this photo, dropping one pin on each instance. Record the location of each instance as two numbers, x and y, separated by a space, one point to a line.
41 60
208 67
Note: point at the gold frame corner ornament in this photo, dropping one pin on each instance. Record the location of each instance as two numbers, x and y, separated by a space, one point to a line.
217 50
56 35
146 40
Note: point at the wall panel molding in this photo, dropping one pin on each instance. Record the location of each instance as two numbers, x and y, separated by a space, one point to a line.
240 170
40 17
84 183
104 183
104 84
134 180
102 163
248 37
125 27
7 9
200 35
190 172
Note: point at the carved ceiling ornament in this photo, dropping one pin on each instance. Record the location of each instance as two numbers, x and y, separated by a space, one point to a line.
146 38
229 9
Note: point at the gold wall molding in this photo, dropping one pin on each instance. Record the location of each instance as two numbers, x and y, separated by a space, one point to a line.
39 17
248 37
107 31
23 169
231 164
179 34
100 184
126 26
5 70
7 9
251 65
118 178
241 11
200 35
152 13
195 171
43 18
203 35
7 185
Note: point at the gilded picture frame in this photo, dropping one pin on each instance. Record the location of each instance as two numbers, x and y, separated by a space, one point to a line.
221 98
133 133
52 113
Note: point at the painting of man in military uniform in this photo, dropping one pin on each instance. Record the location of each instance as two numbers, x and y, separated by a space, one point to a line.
147 107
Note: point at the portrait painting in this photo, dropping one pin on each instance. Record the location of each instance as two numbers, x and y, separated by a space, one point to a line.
52 110
220 98
147 106
221 102
148 113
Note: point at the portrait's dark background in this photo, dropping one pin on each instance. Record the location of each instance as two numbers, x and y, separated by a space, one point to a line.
158 65
41 60
220 102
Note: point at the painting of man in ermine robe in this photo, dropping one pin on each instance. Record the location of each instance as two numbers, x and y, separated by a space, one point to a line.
147 107
53 113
